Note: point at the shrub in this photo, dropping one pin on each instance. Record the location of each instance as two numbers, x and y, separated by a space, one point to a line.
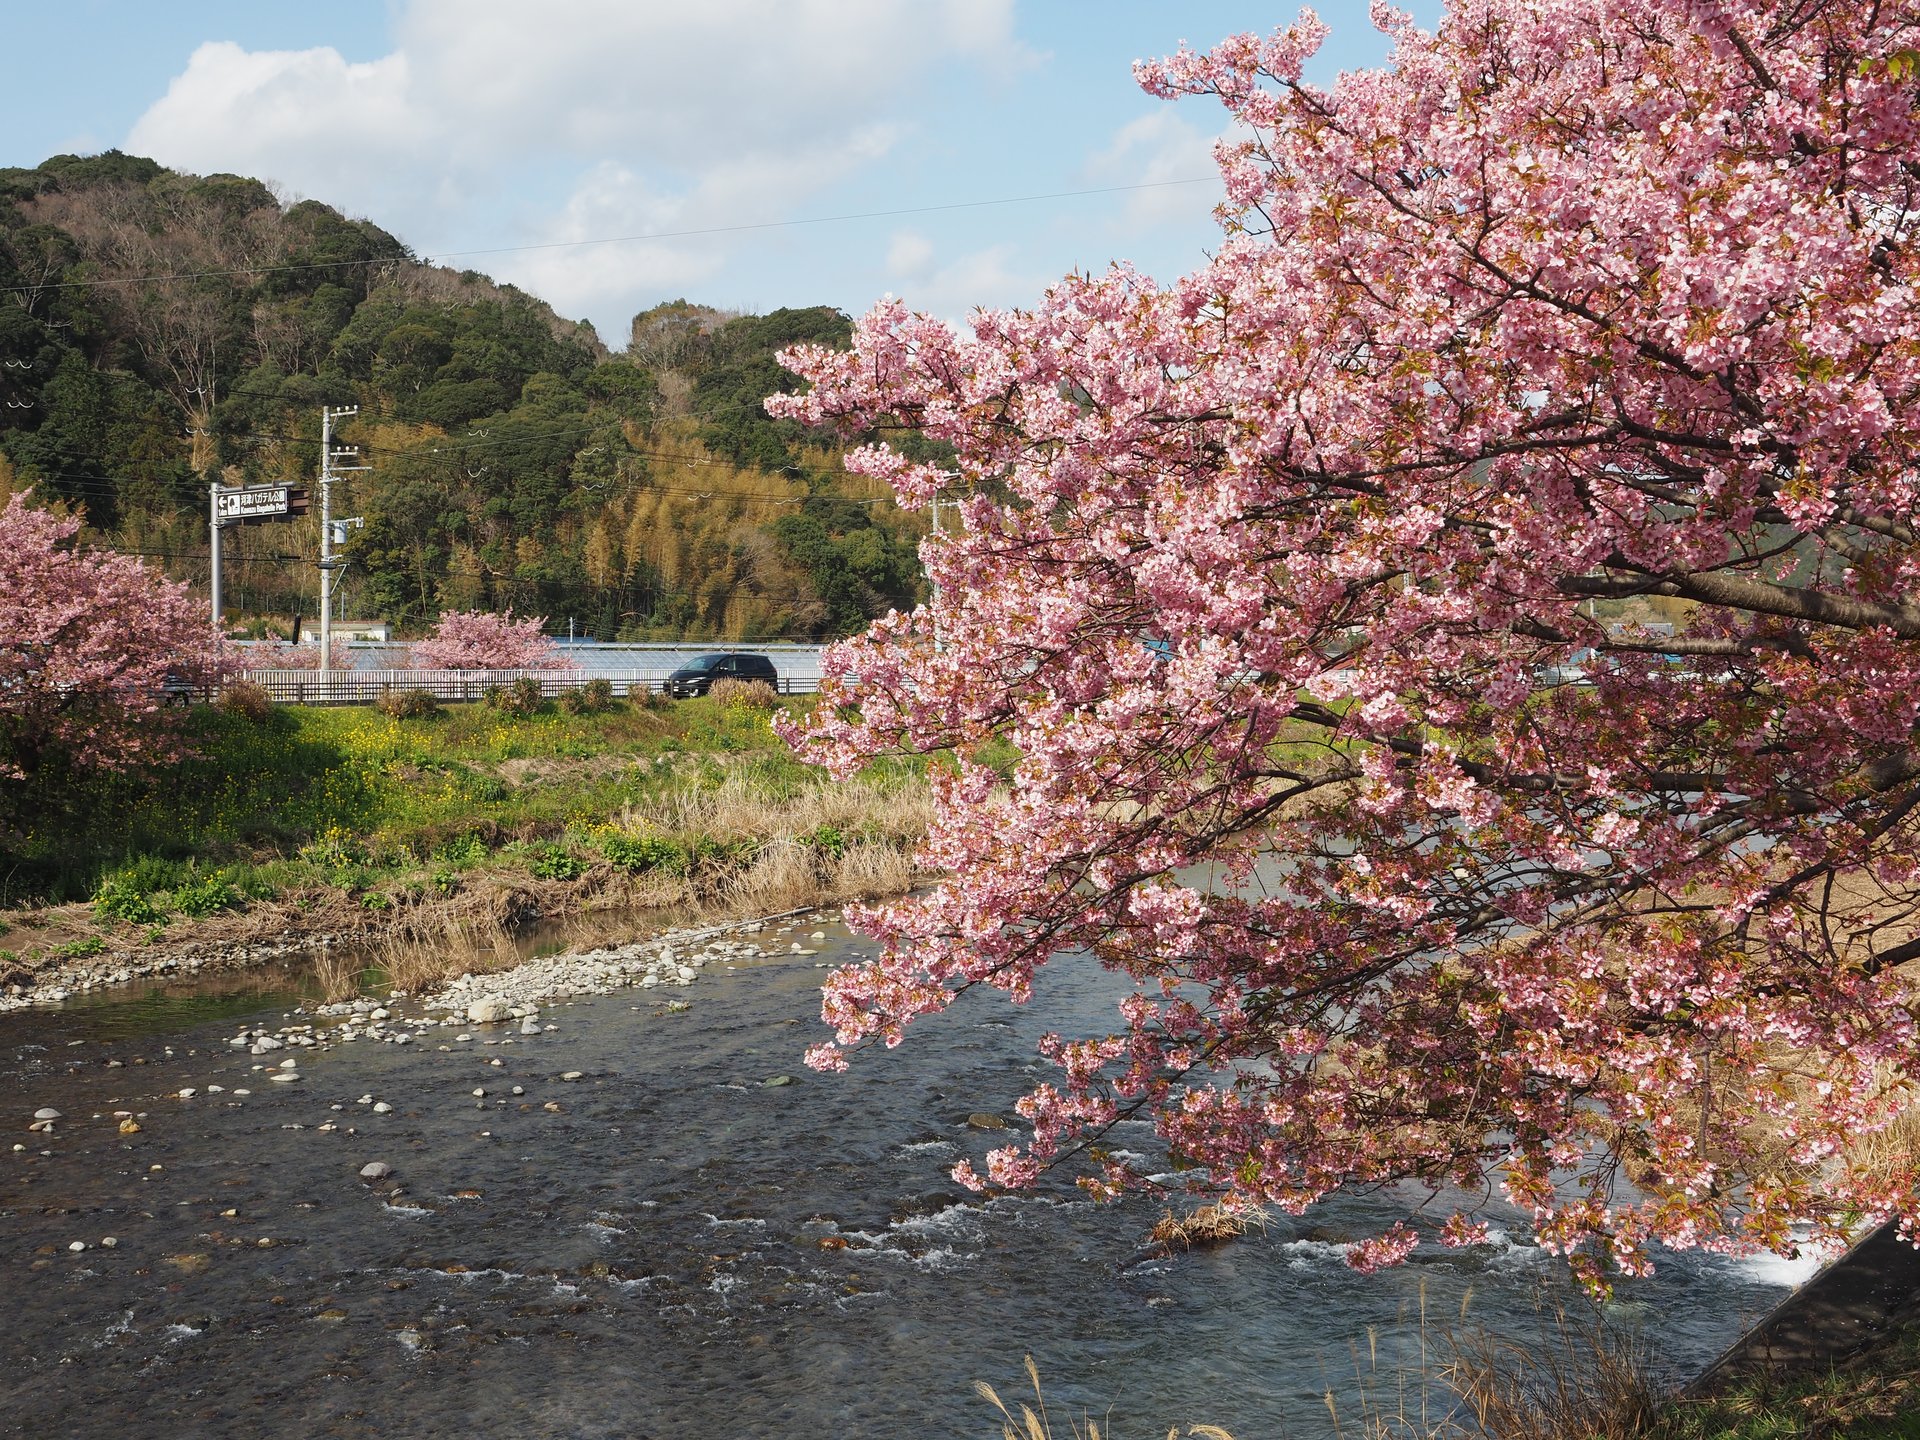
642 693
412 704
827 839
589 699
745 694
77 949
333 849
148 873
554 862
120 898
638 853
245 700
252 882
468 849
520 699
204 897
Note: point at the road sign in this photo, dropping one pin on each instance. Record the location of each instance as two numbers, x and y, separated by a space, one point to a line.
253 503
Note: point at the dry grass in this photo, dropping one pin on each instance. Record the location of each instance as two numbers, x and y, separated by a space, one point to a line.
750 694
1585 1379
1209 1225
1034 1423
737 806
433 939
1890 1156
1579 1379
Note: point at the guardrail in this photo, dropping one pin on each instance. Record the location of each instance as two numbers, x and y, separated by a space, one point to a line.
363 687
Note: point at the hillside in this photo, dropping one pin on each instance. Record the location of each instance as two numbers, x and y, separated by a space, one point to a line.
161 330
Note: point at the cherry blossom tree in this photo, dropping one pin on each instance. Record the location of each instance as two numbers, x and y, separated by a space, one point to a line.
1316 593
303 657
482 640
91 643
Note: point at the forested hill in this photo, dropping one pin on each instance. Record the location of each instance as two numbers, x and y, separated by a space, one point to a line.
161 330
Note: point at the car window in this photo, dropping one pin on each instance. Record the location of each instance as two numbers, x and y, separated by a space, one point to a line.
700 664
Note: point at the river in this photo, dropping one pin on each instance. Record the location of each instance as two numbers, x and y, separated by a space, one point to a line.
679 1248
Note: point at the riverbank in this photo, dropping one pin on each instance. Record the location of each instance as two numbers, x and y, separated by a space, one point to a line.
398 844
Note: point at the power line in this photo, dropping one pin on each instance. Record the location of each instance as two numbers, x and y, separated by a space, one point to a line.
462 446
195 555
109 488
703 231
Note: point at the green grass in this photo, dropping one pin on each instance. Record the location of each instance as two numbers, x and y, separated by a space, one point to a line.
351 798
1876 1397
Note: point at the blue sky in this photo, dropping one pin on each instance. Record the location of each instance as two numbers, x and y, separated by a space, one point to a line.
468 126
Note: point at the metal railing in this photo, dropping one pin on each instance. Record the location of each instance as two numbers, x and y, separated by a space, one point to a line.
363 687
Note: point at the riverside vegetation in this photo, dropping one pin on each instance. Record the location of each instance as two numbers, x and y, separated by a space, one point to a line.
425 825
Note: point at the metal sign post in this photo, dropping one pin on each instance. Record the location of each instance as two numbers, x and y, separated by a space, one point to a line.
246 505
256 502
213 531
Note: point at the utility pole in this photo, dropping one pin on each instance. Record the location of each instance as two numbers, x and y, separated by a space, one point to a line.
328 469
213 529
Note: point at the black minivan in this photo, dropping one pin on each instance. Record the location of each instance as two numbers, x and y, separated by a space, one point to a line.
696 677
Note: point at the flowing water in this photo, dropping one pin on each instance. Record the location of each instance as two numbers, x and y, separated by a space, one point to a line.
681 1249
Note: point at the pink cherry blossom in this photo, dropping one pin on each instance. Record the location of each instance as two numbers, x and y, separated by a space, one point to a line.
482 640
91 644
1313 591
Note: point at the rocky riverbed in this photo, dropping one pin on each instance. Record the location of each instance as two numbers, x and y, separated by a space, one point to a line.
598 1195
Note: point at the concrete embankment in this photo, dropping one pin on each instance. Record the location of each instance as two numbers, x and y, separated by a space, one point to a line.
1866 1296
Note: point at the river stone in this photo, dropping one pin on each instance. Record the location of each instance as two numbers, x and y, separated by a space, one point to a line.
375 1170
979 1120
571 1075
488 1011
381 1107
283 1077
46 1112
777 1080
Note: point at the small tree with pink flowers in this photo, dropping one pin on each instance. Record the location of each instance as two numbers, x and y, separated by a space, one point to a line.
1315 594
483 640
94 649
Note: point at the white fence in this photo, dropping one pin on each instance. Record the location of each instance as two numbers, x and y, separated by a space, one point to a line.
363 687
623 664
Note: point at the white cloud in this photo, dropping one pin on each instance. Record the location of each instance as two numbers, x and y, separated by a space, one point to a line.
909 255
980 279
1157 148
631 116
612 200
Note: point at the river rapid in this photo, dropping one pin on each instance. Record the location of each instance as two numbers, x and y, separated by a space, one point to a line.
695 1236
